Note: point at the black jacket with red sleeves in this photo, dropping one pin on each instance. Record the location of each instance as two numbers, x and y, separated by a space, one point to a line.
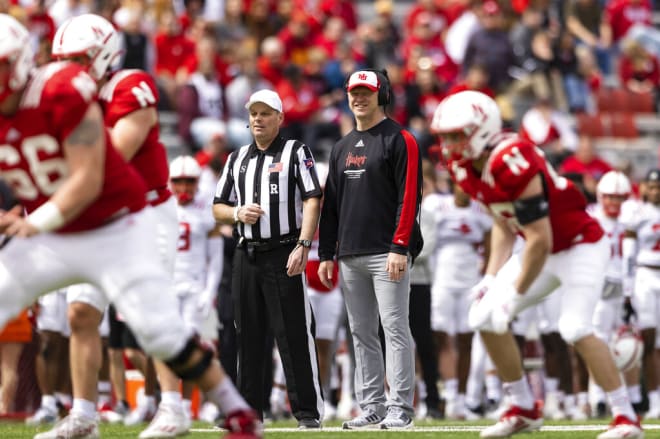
373 194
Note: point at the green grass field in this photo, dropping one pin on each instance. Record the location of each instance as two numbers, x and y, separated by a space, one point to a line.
423 429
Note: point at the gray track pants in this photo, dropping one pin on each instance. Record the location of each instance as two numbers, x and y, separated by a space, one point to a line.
369 294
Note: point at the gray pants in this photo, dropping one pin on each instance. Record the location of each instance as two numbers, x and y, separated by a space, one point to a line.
369 293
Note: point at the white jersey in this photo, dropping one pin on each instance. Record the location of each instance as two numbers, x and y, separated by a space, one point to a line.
460 231
192 253
645 222
614 230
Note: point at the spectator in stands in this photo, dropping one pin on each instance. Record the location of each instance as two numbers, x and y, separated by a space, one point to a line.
138 47
61 10
425 93
172 48
584 20
343 9
639 70
334 30
301 106
271 62
532 47
550 129
381 46
259 20
237 92
620 16
461 29
297 38
586 162
438 19
200 101
231 29
476 78
575 93
491 46
425 38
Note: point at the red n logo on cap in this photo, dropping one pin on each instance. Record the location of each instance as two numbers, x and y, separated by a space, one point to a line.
362 76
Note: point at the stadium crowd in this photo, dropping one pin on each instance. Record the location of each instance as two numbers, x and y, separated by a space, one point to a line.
546 63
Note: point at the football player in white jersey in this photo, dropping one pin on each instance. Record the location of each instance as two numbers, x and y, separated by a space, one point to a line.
612 191
641 274
197 273
461 228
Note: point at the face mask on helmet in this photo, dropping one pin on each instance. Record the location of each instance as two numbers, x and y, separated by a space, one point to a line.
612 190
184 189
612 204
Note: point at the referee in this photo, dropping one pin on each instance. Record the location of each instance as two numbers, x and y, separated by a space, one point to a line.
269 189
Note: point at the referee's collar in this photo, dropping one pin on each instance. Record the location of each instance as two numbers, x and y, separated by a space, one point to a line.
275 146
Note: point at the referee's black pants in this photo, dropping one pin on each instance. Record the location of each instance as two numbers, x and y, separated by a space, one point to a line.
266 298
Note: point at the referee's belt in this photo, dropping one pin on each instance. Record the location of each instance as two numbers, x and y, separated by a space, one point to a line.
264 245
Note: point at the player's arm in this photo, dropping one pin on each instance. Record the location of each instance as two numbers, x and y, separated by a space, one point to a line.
130 132
502 240
532 211
628 254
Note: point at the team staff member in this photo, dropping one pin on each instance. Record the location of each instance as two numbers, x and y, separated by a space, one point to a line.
270 190
369 219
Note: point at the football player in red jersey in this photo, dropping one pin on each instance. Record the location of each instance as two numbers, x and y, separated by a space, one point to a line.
86 222
564 246
128 99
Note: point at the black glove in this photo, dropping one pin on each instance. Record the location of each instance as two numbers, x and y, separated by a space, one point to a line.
628 311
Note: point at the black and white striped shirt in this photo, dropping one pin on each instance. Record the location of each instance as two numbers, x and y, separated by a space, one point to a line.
278 179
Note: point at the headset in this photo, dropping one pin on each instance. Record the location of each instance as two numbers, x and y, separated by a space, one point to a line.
384 87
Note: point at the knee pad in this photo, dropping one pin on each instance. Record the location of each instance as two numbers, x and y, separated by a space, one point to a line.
572 331
188 366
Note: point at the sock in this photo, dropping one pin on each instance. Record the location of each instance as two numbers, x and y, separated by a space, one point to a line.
171 398
551 385
450 389
226 397
635 393
569 403
519 393
493 387
49 403
654 398
65 399
582 399
187 407
84 408
620 403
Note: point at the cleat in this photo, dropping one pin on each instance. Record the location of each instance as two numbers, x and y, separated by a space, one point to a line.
170 421
368 419
72 427
623 428
43 416
243 424
515 420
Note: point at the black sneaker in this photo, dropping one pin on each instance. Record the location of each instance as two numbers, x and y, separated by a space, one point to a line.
308 424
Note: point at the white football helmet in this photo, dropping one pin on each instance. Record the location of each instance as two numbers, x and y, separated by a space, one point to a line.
185 166
471 113
613 183
90 35
15 47
627 348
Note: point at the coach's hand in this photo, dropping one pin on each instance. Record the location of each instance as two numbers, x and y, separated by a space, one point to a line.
396 266
326 272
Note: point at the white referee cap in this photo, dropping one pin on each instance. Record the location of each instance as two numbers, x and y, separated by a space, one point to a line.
268 97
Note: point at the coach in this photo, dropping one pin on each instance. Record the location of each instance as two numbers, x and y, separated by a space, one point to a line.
270 191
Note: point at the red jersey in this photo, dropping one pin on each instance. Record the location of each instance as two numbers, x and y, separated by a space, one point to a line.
623 14
54 102
509 169
128 91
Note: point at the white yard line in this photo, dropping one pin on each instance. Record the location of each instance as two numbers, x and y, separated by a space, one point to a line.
468 428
